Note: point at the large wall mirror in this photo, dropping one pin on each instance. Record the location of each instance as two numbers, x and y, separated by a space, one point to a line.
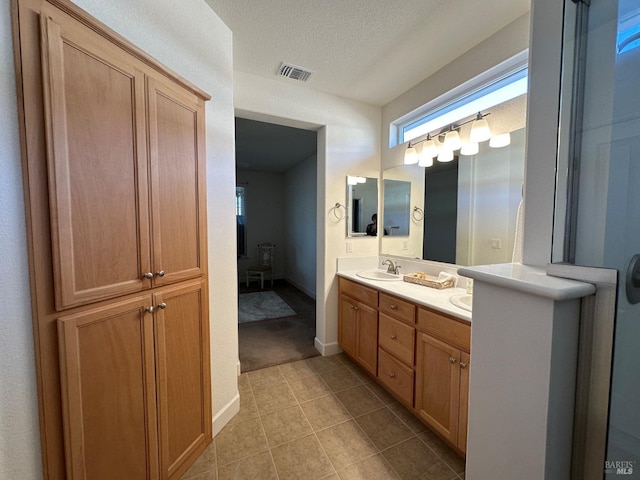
362 206
470 206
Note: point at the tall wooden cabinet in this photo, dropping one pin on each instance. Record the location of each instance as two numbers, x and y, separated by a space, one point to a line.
114 154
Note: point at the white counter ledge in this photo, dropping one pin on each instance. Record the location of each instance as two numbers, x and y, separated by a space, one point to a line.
425 296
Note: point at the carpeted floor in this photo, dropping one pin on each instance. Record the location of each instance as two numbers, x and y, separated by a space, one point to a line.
279 340
256 306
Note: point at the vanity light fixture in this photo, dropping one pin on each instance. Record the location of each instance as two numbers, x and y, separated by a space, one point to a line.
426 159
480 130
469 149
452 140
361 180
445 155
351 180
429 149
501 140
411 155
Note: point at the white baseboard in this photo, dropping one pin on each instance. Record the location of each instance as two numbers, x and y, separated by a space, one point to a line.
326 348
301 287
225 414
239 368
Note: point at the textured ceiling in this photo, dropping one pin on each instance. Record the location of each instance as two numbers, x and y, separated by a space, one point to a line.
366 50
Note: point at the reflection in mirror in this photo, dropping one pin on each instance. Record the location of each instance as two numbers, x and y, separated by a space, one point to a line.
395 207
470 206
362 206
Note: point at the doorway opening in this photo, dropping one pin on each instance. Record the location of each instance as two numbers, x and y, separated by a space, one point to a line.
276 175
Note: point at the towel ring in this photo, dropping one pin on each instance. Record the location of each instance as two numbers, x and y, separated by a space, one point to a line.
417 214
335 210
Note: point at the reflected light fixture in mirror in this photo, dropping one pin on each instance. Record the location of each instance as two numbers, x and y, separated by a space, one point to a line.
452 140
469 149
500 141
445 155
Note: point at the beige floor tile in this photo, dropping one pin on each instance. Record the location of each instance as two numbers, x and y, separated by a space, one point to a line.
273 398
285 426
384 428
302 459
256 467
240 440
384 396
243 383
438 445
345 444
266 377
439 471
359 400
325 364
372 468
333 476
248 408
411 458
309 388
408 418
454 461
205 464
324 412
360 374
340 379
296 370
210 475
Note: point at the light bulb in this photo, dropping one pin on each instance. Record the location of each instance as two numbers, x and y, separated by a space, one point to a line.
480 130
351 180
445 155
361 180
411 156
425 160
469 149
501 140
452 140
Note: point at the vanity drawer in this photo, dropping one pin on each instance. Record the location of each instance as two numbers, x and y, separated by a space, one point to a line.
396 376
397 308
454 332
397 338
366 295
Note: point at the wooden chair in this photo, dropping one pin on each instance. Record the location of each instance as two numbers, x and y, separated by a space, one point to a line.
265 264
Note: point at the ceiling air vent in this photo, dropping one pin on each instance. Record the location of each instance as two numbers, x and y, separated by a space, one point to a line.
295 72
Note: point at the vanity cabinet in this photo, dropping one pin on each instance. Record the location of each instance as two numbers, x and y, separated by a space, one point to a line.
442 375
422 356
113 147
358 324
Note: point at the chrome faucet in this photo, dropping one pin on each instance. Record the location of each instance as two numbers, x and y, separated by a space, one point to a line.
392 268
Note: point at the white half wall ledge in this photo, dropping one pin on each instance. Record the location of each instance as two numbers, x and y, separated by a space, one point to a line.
326 349
225 414
527 279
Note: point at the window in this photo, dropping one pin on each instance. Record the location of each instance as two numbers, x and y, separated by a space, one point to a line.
499 84
241 221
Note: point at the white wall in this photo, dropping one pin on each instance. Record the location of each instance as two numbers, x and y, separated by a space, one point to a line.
264 194
190 39
300 226
348 144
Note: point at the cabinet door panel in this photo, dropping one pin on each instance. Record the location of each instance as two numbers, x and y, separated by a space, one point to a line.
367 348
437 385
348 325
184 393
176 139
465 365
107 373
97 163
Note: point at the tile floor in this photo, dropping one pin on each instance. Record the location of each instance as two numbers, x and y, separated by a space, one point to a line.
323 418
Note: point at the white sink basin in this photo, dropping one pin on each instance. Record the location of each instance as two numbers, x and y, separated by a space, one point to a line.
378 275
463 301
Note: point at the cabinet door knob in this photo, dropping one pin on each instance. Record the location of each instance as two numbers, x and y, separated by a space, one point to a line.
148 275
463 365
392 375
162 305
150 309
393 307
160 273
452 360
356 308
393 337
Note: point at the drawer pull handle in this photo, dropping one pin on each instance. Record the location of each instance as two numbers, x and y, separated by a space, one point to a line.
393 337
452 360
463 365
393 307
162 305
392 375
150 309
148 275
355 308
160 273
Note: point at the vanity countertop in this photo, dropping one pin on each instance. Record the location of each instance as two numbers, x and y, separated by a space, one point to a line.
428 297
